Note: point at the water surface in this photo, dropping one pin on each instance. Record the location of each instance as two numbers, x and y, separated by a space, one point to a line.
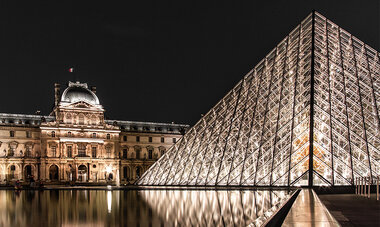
138 208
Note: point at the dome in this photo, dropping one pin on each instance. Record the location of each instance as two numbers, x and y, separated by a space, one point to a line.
77 92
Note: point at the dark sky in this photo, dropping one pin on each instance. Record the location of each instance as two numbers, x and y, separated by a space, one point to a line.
151 60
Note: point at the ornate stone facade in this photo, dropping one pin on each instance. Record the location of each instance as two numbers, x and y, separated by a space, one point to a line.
76 143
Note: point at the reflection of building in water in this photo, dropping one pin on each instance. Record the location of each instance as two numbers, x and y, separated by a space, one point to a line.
75 208
213 208
76 143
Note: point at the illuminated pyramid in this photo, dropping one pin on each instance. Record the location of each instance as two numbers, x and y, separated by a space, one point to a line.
307 114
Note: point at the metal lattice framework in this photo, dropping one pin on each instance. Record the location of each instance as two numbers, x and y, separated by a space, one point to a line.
307 114
214 208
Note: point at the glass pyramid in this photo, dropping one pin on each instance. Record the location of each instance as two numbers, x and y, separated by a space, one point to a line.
307 114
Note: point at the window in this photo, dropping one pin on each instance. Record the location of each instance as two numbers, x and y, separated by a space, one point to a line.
81 150
150 153
28 134
68 118
124 138
11 151
54 151
125 153
69 134
150 139
81 119
93 152
28 151
162 152
138 152
162 140
94 135
53 134
137 138
108 136
69 151
174 140
108 150
12 133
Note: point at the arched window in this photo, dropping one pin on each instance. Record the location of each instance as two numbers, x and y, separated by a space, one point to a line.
69 134
93 120
53 172
68 118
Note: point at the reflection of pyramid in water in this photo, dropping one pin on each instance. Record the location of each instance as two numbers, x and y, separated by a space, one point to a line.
260 134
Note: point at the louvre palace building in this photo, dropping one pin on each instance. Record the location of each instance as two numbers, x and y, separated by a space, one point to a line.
76 143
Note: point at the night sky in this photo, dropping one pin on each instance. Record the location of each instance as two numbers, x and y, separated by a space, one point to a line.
151 60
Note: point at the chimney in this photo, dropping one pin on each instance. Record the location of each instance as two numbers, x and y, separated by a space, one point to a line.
57 93
93 89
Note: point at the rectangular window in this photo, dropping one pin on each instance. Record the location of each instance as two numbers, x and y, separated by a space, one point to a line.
174 140
162 140
108 136
28 134
150 154
69 151
12 133
108 149
94 135
137 138
52 134
138 151
150 139
94 152
54 151
81 150
124 138
28 151
11 151
125 153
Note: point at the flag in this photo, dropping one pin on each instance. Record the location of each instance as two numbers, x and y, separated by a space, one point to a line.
71 69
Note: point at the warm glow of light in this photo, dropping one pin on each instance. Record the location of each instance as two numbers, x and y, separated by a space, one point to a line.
109 201
109 169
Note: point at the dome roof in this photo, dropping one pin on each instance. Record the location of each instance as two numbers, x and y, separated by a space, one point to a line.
77 92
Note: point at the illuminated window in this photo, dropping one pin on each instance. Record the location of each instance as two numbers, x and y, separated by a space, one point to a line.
53 151
69 151
81 119
81 150
108 150
93 152
28 151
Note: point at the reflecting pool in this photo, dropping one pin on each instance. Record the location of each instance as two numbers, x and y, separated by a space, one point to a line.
138 208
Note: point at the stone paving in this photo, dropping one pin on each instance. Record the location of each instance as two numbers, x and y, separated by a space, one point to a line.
353 210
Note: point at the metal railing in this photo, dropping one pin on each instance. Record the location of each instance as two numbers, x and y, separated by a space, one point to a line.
363 186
